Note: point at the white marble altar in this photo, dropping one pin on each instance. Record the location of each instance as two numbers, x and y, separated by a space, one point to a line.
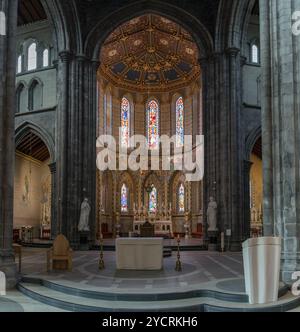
139 253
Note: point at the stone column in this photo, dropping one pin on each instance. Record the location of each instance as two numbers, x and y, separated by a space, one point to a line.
280 54
223 151
54 225
62 141
7 146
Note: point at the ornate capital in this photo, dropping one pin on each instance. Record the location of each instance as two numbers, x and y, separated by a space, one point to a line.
96 64
65 56
232 51
81 57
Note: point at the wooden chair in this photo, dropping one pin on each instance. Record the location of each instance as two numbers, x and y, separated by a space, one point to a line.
59 257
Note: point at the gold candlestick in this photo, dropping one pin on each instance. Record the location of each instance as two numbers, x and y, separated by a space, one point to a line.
178 267
101 261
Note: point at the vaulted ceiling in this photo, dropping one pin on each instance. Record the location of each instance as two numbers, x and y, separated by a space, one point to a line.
31 145
150 52
30 11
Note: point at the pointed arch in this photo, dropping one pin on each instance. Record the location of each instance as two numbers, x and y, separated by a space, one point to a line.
126 120
102 30
179 124
27 127
21 97
153 123
126 180
35 94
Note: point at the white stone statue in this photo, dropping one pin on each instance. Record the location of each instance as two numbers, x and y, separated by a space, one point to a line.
83 225
212 215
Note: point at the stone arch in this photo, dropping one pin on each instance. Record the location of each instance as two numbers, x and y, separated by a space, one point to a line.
130 98
26 127
127 179
232 24
152 179
21 99
104 27
35 83
65 19
251 139
176 180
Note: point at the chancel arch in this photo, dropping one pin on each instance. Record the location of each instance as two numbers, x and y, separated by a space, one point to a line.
35 183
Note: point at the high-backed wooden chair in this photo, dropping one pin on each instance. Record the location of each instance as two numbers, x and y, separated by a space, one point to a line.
59 257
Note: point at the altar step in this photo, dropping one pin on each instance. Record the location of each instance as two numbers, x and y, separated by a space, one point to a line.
82 300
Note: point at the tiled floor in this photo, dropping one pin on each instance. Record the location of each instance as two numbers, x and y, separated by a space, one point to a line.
198 267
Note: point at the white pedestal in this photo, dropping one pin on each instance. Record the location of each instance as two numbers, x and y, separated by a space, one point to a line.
139 253
262 269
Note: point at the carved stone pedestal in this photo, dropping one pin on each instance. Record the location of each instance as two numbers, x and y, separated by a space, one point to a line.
213 240
84 241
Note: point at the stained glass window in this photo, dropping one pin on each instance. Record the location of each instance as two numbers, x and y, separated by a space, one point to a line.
254 53
124 198
153 200
153 124
179 122
125 124
181 198
32 57
19 66
46 58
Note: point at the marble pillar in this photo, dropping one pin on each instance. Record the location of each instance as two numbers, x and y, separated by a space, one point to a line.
280 54
7 146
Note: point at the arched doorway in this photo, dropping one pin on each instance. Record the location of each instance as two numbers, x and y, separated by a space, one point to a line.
256 189
33 188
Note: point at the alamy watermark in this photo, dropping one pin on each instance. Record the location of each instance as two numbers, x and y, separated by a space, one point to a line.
136 155
2 284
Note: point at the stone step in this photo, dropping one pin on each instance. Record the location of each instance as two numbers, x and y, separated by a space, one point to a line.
124 295
199 304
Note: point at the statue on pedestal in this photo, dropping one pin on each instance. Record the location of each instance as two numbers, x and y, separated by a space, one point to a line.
212 215
83 225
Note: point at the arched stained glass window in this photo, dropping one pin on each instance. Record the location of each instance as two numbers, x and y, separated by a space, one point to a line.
125 122
124 198
19 66
153 124
254 54
179 122
46 58
181 198
32 57
153 200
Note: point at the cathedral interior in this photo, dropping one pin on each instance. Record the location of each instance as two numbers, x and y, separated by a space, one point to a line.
76 70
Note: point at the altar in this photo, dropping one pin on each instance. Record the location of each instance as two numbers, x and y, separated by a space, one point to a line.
139 253
161 227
